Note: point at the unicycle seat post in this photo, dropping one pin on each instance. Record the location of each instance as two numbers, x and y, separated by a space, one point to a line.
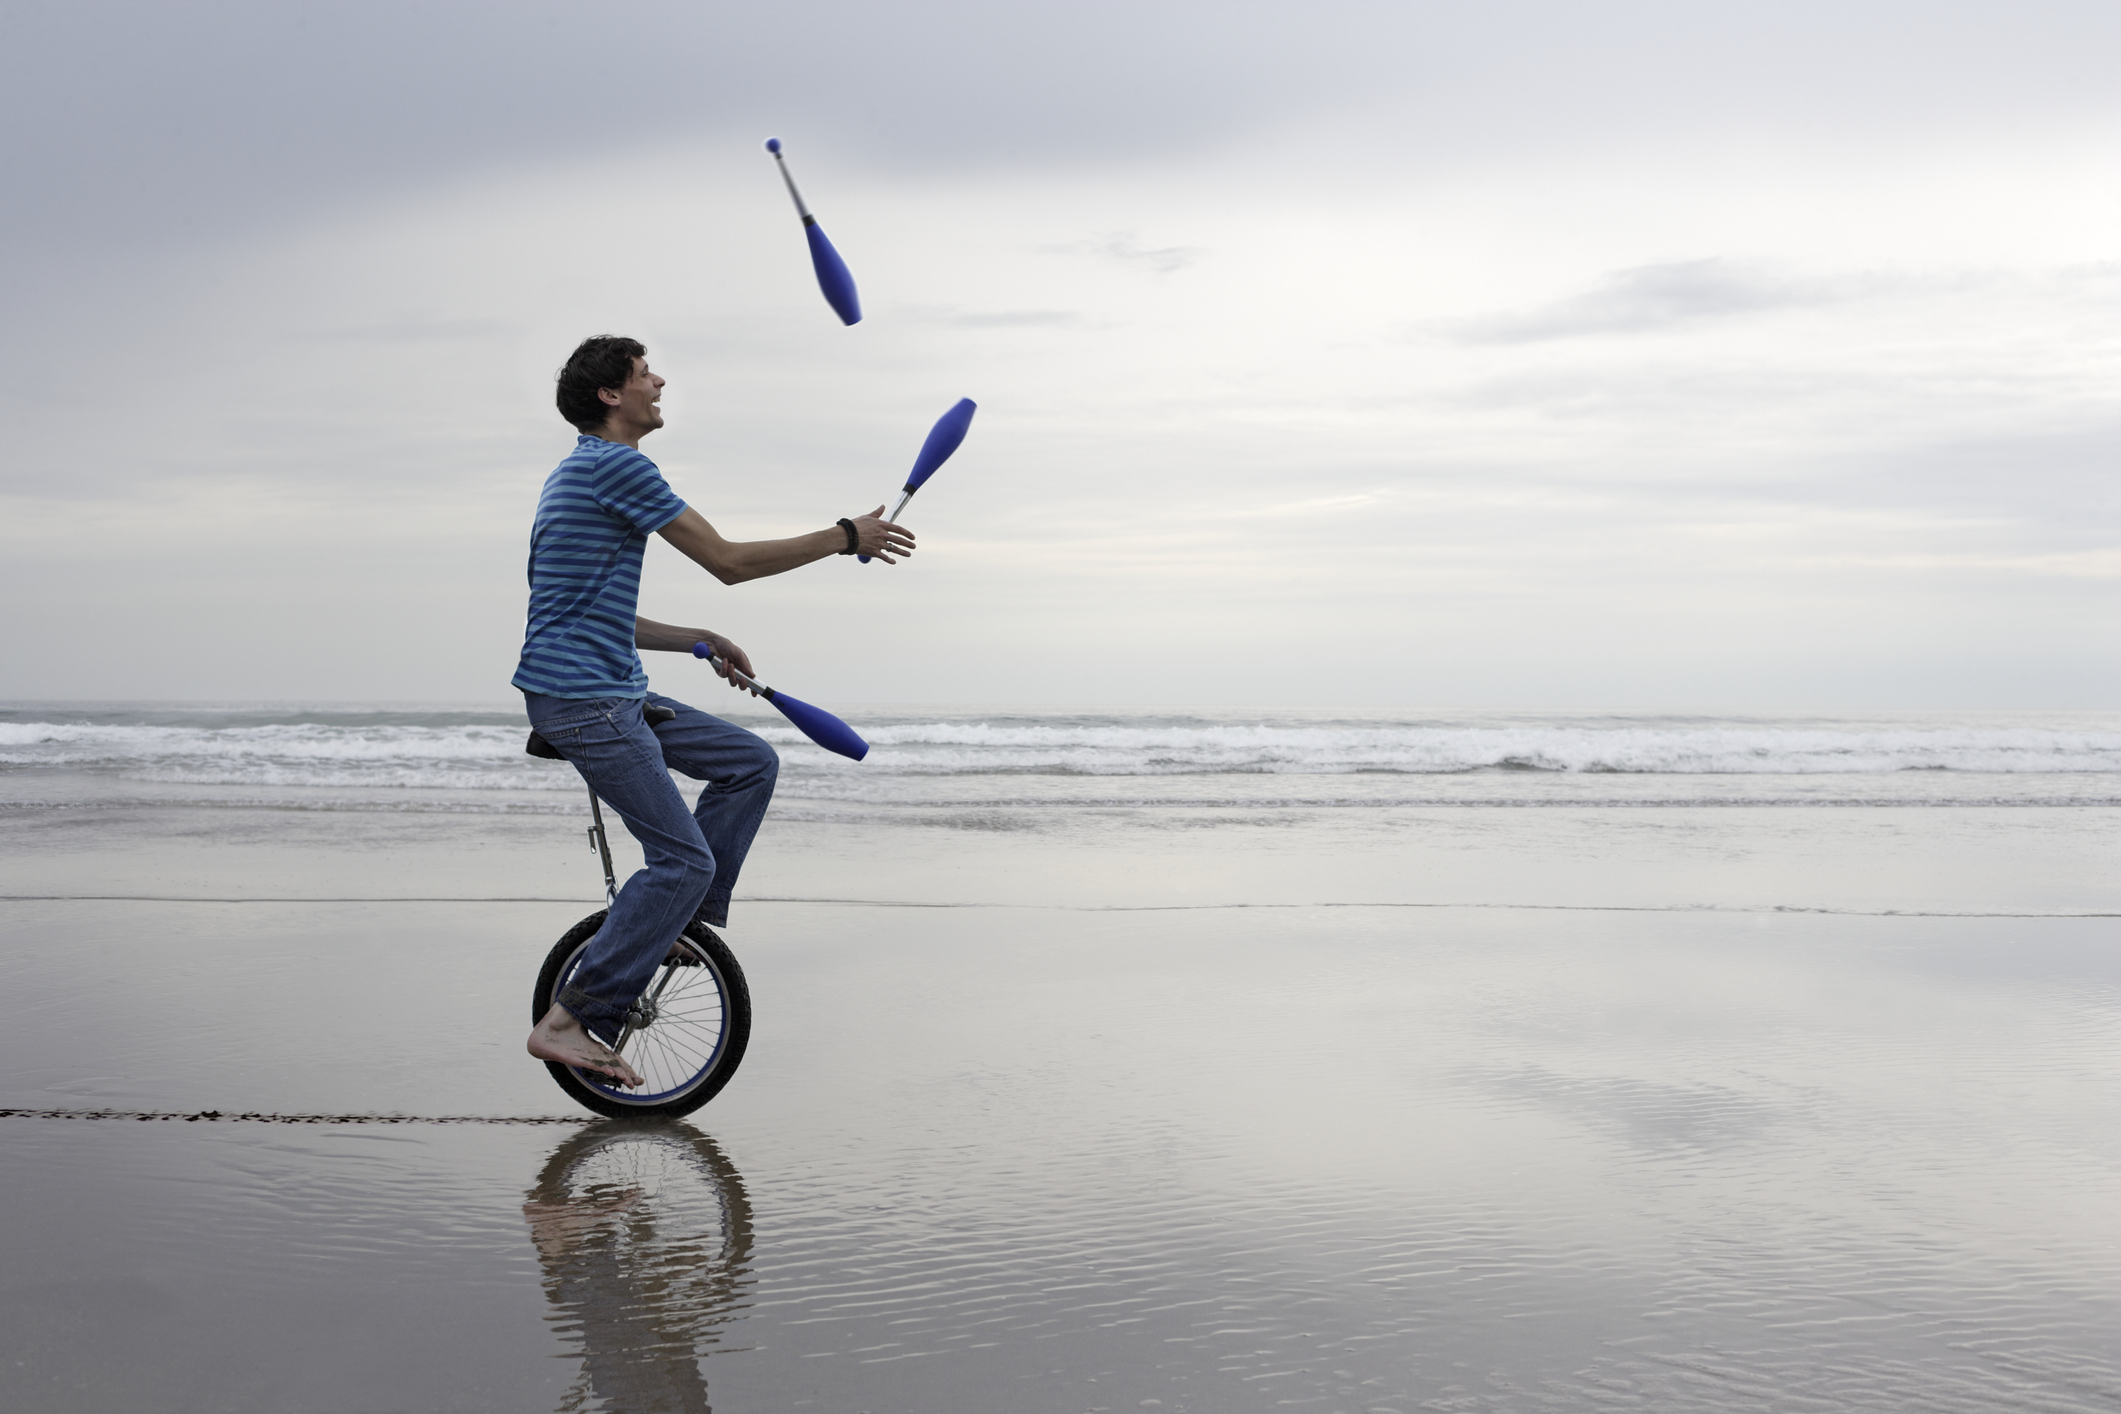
603 847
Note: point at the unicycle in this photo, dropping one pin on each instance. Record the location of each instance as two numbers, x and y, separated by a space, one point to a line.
684 1036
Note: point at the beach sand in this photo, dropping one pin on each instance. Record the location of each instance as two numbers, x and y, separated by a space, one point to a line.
1474 1109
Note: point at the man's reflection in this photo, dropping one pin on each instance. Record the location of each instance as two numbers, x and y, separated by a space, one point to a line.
644 1233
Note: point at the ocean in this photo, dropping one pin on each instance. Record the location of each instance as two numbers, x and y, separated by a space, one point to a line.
351 757
1177 1060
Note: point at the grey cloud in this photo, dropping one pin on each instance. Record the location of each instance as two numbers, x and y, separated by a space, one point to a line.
399 331
1652 298
140 123
995 318
2055 484
1162 260
150 124
1668 391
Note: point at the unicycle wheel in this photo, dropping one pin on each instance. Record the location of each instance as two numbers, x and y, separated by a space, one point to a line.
689 1048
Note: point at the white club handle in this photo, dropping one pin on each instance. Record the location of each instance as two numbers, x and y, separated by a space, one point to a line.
800 209
734 671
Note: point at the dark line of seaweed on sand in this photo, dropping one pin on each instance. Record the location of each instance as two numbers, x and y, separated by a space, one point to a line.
256 1117
1115 907
804 807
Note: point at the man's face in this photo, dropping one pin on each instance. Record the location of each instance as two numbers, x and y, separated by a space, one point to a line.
637 406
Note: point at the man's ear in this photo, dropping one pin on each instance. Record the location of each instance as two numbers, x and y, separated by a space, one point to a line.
609 395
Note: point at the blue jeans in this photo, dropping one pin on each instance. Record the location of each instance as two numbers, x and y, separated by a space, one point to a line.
690 858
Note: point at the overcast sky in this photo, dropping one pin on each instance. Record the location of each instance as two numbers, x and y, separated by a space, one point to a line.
1569 354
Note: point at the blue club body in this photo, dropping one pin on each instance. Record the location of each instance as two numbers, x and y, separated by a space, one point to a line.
833 277
943 439
819 725
816 723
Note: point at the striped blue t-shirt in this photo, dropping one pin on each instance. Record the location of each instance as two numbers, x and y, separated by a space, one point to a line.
598 509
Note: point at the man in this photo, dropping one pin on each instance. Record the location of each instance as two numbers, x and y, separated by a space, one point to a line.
584 687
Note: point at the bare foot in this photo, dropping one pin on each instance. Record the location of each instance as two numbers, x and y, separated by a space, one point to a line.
559 1037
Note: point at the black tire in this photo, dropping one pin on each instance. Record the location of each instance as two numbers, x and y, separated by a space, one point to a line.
723 984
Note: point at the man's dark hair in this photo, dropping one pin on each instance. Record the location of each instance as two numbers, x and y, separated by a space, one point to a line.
605 361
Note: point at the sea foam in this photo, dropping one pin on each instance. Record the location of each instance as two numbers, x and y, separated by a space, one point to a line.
358 751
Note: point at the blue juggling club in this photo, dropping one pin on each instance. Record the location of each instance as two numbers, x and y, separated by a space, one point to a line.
816 723
943 439
832 274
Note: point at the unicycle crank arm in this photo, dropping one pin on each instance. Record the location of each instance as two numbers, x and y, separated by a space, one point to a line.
669 971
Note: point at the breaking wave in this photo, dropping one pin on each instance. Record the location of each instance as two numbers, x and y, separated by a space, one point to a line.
484 752
1101 750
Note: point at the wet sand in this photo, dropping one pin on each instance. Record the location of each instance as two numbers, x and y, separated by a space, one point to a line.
1035 1152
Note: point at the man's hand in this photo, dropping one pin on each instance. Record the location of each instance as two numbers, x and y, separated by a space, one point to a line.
880 538
726 654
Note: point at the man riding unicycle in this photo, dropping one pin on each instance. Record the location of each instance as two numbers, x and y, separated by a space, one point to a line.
587 694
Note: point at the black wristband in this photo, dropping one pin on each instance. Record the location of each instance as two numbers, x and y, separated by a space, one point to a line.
854 539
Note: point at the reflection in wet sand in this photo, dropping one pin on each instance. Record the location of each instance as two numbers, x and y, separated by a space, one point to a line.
644 1233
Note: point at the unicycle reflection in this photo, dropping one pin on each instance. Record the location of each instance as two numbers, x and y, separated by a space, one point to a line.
643 1231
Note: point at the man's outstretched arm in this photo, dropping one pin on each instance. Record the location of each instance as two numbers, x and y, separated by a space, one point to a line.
734 561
